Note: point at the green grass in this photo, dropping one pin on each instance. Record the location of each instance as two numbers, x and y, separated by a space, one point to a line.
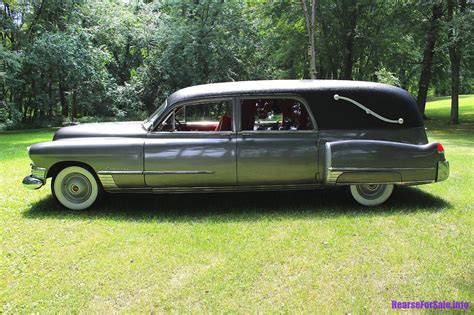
246 252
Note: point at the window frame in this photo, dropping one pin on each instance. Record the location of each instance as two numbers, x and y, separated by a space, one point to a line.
275 96
172 111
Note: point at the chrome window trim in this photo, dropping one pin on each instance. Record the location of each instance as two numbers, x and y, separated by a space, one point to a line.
169 111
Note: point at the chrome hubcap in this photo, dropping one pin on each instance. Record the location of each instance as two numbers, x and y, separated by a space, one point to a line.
76 188
371 191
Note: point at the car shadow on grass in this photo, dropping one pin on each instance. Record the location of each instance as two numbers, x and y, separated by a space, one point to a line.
324 203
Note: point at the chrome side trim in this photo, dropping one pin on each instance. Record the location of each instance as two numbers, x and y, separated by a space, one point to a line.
177 172
167 190
372 169
368 111
329 178
408 183
107 181
153 172
119 172
416 182
333 176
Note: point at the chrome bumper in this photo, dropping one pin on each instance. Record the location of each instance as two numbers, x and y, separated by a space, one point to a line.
37 178
443 171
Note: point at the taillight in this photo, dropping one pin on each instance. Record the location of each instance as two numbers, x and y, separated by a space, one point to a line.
440 148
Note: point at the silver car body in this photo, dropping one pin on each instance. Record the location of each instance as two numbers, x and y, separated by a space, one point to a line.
345 147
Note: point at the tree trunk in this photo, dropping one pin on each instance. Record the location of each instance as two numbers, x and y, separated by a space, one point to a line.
74 105
62 99
324 32
455 58
424 82
310 29
349 41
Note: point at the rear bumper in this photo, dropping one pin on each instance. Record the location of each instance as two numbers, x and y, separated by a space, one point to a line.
443 171
37 178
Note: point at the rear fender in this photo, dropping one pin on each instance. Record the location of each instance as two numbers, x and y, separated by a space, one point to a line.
379 162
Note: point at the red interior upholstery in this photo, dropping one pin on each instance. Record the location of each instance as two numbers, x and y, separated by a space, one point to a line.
225 124
201 126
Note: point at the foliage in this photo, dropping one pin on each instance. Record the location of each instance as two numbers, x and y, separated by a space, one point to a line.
63 60
264 252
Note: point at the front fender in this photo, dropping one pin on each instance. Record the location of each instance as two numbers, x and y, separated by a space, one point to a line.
101 154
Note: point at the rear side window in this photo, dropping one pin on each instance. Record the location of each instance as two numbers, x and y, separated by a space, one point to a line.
275 114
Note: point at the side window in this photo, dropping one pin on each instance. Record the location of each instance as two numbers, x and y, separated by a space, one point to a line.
207 116
275 114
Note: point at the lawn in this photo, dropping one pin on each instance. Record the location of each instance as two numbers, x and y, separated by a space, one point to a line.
312 251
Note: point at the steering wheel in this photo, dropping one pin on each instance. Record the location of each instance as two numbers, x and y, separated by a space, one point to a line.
179 126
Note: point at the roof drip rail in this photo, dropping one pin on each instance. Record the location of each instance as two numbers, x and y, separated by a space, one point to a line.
368 111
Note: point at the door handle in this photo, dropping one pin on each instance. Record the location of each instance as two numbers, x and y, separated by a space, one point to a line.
246 134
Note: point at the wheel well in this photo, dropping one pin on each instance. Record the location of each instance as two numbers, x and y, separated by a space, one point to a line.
58 167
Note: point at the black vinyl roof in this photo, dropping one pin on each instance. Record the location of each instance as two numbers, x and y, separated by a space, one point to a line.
386 100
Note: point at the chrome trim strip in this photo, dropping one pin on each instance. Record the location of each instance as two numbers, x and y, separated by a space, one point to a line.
120 172
371 169
368 111
166 190
107 181
153 172
414 182
328 161
177 172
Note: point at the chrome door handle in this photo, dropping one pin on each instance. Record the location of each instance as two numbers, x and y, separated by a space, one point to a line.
246 134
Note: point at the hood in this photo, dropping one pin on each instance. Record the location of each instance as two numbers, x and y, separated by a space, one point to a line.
132 129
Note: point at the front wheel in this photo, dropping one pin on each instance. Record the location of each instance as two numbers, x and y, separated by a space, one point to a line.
371 194
75 188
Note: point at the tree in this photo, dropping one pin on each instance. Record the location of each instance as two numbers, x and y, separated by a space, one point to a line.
310 22
436 13
350 23
456 10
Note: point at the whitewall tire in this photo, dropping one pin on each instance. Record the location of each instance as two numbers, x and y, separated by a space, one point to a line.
371 194
75 188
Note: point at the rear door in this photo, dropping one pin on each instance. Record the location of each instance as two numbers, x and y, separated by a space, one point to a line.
276 142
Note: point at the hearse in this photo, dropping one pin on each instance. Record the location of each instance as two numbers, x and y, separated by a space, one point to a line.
249 136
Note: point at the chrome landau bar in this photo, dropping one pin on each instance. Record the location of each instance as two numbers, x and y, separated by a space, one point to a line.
368 111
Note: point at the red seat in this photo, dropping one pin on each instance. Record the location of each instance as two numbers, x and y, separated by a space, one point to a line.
225 124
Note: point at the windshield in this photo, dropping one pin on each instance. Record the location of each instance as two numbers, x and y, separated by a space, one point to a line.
150 120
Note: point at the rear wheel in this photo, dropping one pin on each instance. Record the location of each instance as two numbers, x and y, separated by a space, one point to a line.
371 194
75 188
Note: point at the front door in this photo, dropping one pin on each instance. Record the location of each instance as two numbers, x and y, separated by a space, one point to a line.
277 142
195 146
